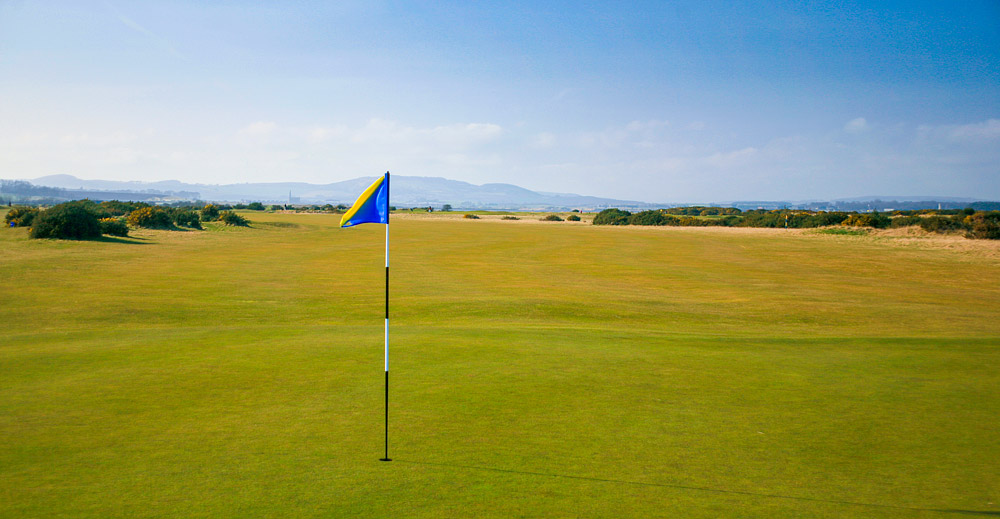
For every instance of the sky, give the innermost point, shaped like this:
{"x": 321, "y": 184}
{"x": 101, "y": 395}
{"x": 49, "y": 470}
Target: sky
{"x": 659, "y": 101}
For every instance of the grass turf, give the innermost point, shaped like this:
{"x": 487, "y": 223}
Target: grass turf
{"x": 539, "y": 370}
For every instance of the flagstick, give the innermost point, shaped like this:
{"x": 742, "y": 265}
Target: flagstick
{"x": 386, "y": 458}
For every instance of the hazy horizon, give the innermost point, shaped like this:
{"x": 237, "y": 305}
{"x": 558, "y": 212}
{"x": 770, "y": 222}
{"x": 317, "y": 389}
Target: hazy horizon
{"x": 651, "y": 102}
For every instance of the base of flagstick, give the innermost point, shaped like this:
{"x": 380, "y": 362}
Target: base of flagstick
{"x": 385, "y": 459}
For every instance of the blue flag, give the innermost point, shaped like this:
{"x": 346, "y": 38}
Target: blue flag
{"x": 371, "y": 207}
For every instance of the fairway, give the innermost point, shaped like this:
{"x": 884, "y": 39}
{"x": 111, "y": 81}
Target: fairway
{"x": 538, "y": 370}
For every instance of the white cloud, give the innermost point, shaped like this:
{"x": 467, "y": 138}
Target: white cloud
{"x": 857, "y": 125}
{"x": 319, "y": 134}
{"x": 977, "y": 132}
{"x": 732, "y": 159}
{"x": 380, "y": 132}
{"x": 258, "y": 129}
{"x": 544, "y": 140}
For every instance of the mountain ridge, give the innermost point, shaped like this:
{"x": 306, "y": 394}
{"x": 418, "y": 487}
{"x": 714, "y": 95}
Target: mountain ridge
{"x": 406, "y": 191}
{"x": 420, "y": 191}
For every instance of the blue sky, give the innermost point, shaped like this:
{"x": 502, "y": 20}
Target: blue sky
{"x": 654, "y": 101}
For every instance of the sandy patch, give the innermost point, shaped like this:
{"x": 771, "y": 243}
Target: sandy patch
{"x": 918, "y": 238}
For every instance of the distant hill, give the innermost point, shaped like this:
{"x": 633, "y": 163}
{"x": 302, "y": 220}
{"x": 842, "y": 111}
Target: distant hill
{"x": 422, "y": 192}
{"x": 406, "y": 191}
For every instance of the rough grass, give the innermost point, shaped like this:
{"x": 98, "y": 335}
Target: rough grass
{"x": 537, "y": 371}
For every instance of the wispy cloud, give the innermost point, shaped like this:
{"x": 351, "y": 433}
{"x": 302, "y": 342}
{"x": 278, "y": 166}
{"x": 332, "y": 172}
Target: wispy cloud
{"x": 132, "y": 24}
{"x": 857, "y": 125}
{"x": 652, "y": 158}
{"x": 977, "y": 132}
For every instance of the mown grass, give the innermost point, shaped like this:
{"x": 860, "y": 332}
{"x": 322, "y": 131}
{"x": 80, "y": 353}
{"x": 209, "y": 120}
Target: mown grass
{"x": 843, "y": 231}
{"x": 537, "y": 370}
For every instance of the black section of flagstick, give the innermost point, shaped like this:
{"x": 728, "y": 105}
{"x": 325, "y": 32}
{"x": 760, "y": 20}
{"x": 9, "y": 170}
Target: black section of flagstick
{"x": 386, "y": 458}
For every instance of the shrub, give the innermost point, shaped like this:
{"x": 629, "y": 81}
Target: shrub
{"x": 873, "y": 219}
{"x": 113, "y": 227}
{"x": 150, "y": 218}
{"x": 984, "y": 226}
{"x": 612, "y": 217}
{"x": 572, "y": 218}
{"x": 21, "y": 216}
{"x": 700, "y": 210}
{"x": 68, "y": 221}
{"x": 255, "y": 206}
{"x": 185, "y": 218}
{"x": 905, "y": 221}
{"x": 210, "y": 213}
{"x": 231, "y": 218}
{"x": 552, "y": 218}
{"x": 116, "y": 208}
{"x": 508, "y": 217}
{"x": 940, "y": 224}
{"x": 471, "y": 216}
{"x": 730, "y": 220}
{"x": 648, "y": 218}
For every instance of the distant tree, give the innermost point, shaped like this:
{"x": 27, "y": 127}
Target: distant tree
{"x": 255, "y": 206}
{"x": 21, "y": 216}
{"x": 984, "y": 225}
{"x": 985, "y": 206}
{"x": 68, "y": 221}
{"x": 904, "y": 221}
{"x": 231, "y": 218}
{"x": 872, "y": 219}
{"x": 151, "y": 218}
{"x": 940, "y": 224}
{"x": 116, "y": 208}
{"x": 613, "y": 216}
{"x": 187, "y": 218}
{"x": 446, "y": 207}
{"x": 210, "y": 213}
{"x": 113, "y": 227}
{"x": 648, "y": 218}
